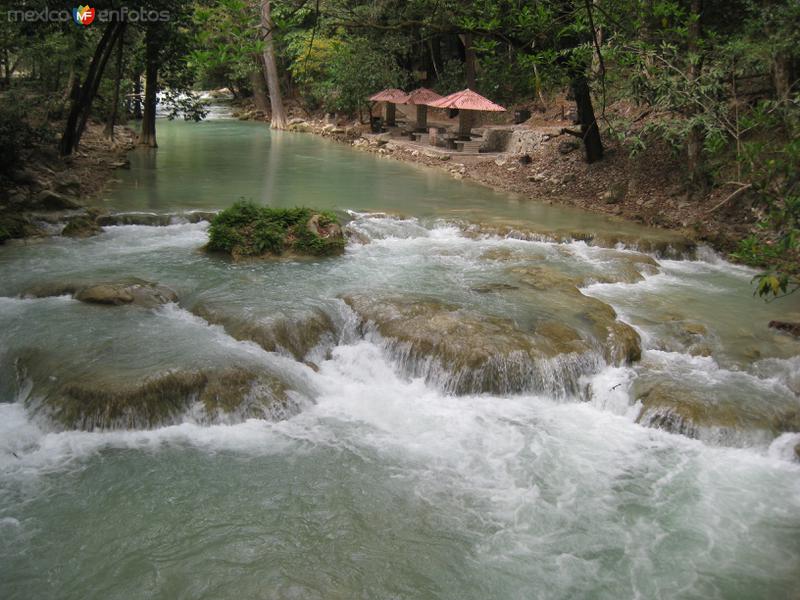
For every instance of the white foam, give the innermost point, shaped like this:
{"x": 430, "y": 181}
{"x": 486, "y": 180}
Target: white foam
{"x": 784, "y": 447}
{"x": 610, "y": 390}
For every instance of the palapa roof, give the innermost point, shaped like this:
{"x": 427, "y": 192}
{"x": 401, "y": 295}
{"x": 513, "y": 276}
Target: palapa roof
{"x": 392, "y": 95}
{"x": 422, "y": 96}
{"x": 467, "y": 100}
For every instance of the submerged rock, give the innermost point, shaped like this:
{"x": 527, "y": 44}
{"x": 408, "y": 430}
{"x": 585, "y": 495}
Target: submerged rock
{"x": 487, "y": 288}
{"x": 155, "y": 219}
{"x": 465, "y": 352}
{"x": 81, "y": 227}
{"x": 660, "y": 243}
{"x": 129, "y": 291}
{"x": 677, "y": 408}
{"x": 15, "y": 226}
{"x": 50, "y": 289}
{"x": 618, "y": 341}
{"x": 246, "y": 230}
{"x": 140, "y": 293}
{"x": 297, "y": 336}
{"x": 162, "y": 400}
{"x": 790, "y": 328}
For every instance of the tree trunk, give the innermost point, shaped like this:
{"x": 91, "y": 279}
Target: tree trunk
{"x": 694, "y": 143}
{"x": 469, "y": 59}
{"x": 597, "y": 62}
{"x": 72, "y": 82}
{"x": 391, "y": 114}
{"x": 422, "y": 117}
{"x": 257, "y": 83}
{"x": 465, "y": 124}
{"x": 112, "y": 117}
{"x": 590, "y": 132}
{"x": 147, "y": 136}
{"x": 137, "y": 96}
{"x": 435, "y": 47}
{"x": 782, "y": 75}
{"x": 466, "y": 118}
{"x": 6, "y": 68}
{"x": 82, "y": 99}
{"x": 278, "y": 120}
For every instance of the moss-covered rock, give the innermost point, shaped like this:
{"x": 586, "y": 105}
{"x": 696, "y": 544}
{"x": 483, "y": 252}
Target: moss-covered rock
{"x": 246, "y": 230}
{"x": 14, "y": 226}
{"x": 295, "y": 335}
{"x": 50, "y": 200}
{"x": 660, "y": 242}
{"x": 677, "y": 408}
{"x": 618, "y": 341}
{"x": 163, "y": 399}
{"x": 126, "y": 291}
{"x": 81, "y": 227}
{"x": 463, "y": 352}
{"x": 134, "y": 291}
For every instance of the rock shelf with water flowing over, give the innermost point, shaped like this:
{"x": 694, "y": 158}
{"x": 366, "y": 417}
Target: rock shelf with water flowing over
{"x": 508, "y": 393}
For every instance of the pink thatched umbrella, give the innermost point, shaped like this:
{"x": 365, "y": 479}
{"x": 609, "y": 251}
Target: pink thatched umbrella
{"x": 466, "y": 101}
{"x": 390, "y": 96}
{"x": 422, "y": 98}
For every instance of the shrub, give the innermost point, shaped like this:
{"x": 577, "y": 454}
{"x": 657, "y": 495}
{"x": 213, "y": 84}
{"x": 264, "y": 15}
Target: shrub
{"x": 246, "y": 229}
{"x": 16, "y": 134}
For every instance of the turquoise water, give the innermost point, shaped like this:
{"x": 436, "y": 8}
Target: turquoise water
{"x": 214, "y": 163}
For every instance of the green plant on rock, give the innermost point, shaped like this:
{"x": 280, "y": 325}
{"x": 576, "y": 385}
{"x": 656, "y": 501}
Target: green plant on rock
{"x": 246, "y": 229}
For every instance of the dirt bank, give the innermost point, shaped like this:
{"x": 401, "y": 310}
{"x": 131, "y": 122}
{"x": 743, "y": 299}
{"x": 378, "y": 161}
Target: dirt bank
{"x": 649, "y": 188}
{"x": 46, "y": 191}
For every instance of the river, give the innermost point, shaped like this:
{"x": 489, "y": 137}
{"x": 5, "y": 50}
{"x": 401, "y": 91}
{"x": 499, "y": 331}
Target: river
{"x": 378, "y": 477}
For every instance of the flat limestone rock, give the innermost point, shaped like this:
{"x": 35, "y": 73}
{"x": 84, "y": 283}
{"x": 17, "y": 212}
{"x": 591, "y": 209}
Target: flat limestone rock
{"x": 142, "y": 293}
{"x": 619, "y": 342}
{"x": 676, "y": 408}
{"x": 129, "y": 291}
{"x": 223, "y": 395}
{"x": 466, "y": 352}
{"x": 297, "y": 336}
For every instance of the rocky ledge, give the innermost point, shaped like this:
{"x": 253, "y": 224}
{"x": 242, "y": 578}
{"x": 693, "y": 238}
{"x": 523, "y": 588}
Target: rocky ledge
{"x": 210, "y": 396}
{"x": 296, "y": 336}
{"x": 46, "y": 190}
{"x": 462, "y": 351}
{"x": 713, "y": 417}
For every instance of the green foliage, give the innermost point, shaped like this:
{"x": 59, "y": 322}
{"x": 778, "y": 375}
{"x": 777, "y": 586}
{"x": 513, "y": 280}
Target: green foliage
{"x": 246, "y": 229}
{"x": 17, "y": 133}
{"x": 227, "y": 43}
{"x": 339, "y": 74}
{"x": 776, "y": 244}
{"x": 309, "y": 65}
{"x": 451, "y": 77}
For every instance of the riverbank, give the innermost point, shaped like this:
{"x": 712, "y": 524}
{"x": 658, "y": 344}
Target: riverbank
{"x": 549, "y": 167}
{"x": 45, "y": 191}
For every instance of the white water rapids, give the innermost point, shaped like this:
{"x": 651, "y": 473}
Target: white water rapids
{"x": 380, "y": 484}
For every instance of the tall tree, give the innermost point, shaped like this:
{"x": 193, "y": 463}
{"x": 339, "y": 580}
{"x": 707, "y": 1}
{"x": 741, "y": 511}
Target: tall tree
{"x": 84, "y": 94}
{"x": 278, "y": 119}
{"x": 112, "y": 115}
{"x": 694, "y": 142}
{"x": 147, "y": 135}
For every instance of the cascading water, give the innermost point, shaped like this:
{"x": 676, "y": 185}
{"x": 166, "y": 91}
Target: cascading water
{"x": 435, "y": 414}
